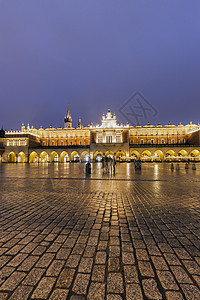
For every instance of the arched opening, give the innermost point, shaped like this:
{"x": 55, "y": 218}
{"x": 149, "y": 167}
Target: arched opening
{"x": 75, "y": 156}
{"x": 195, "y": 153}
{"x": 170, "y": 153}
{"x": 33, "y": 158}
{"x": 85, "y": 156}
{"x": 64, "y": 157}
{"x": 120, "y": 155}
{"x": 109, "y": 154}
{"x": 54, "y": 157}
{"x": 11, "y": 157}
{"x": 182, "y": 153}
{"x": 134, "y": 155}
{"x": 158, "y": 155}
{"x": 146, "y": 155}
{"x": 21, "y": 157}
{"x": 44, "y": 157}
{"x": 98, "y": 156}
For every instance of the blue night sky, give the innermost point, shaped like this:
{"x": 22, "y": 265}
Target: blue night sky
{"x": 94, "y": 55}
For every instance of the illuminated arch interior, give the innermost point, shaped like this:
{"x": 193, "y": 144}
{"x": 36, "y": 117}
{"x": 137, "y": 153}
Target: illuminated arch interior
{"x": 159, "y": 154}
{"x": 75, "y": 156}
{"x": 21, "y": 157}
{"x": 33, "y": 157}
{"x": 11, "y": 157}
{"x": 135, "y": 154}
{"x": 44, "y": 156}
{"x": 64, "y": 157}
{"x": 54, "y": 157}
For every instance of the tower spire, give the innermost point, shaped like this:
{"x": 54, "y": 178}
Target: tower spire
{"x": 68, "y": 119}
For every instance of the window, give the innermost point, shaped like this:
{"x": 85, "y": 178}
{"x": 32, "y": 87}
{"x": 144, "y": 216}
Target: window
{"x": 131, "y": 141}
{"x": 152, "y": 141}
{"x": 142, "y": 141}
{"x": 52, "y": 143}
{"x": 162, "y": 141}
{"x": 183, "y": 141}
{"x": 118, "y": 139}
{"x": 100, "y": 140}
{"x": 80, "y": 143}
{"x": 173, "y": 141}
{"x": 109, "y": 139}
{"x": 71, "y": 143}
{"x": 61, "y": 143}
{"x": 43, "y": 143}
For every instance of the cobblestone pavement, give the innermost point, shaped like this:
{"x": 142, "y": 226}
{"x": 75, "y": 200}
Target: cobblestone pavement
{"x": 128, "y": 236}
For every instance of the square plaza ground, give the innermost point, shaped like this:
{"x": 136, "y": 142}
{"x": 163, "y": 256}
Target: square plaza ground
{"x": 135, "y": 235}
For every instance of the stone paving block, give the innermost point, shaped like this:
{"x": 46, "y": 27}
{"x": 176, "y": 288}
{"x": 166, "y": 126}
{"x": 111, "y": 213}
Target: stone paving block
{"x": 81, "y": 283}
{"x": 13, "y": 281}
{"x": 59, "y": 294}
{"x": 16, "y": 261}
{"x": 172, "y": 259}
{"x": 22, "y": 292}
{"x": 45, "y": 260}
{"x": 55, "y": 267}
{"x": 167, "y": 280}
{"x": 44, "y": 288}
{"x": 113, "y": 264}
{"x": 5, "y": 273}
{"x": 180, "y": 275}
{"x": 146, "y": 268}
{"x": 131, "y": 274}
{"x": 159, "y": 263}
{"x": 192, "y": 266}
{"x": 73, "y": 261}
{"x": 3, "y": 296}
{"x": 89, "y": 251}
{"x": 96, "y": 291}
{"x": 100, "y": 257}
{"x": 190, "y": 291}
{"x": 113, "y": 297}
{"x": 63, "y": 253}
{"x": 174, "y": 295}
{"x": 133, "y": 292}
{"x": 151, "y": 289}
{"x": 115, "y": 283}
{"x": 114, "y": 251}
{"x": 128, "y": 258}
{"x": 98, "y": 273}
{"x": 33, "y": 276}
{"x": 65, "y": 278}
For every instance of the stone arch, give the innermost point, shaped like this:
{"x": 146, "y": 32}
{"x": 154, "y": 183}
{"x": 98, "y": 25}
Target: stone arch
{"x": 170, "y": 152}
{"x": 98, "y": 155}
{"x": 109, "y": 154}
{"x": 64, "y": 157}
{"x": 194, "y": 153}
{"x": 85, "y": 156}
{"x": 21, "y": 157}
{"x": 75, "y": 156}
{"x": 183, "y": 153}
{"x": 135, "y": 154}
{"x": 159, "y": 154}
{"x": 33, "y": 157}
{"x": 11, "y": 157}
{"x": 44, "y": 157}
{"x": 146, "y": 155}
{"x": 120, "y": 154}
{"x": 54, "y": 157}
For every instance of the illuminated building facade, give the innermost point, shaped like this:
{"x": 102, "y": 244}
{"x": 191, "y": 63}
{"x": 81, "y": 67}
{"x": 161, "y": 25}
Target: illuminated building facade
{"x": 125, "y": 142}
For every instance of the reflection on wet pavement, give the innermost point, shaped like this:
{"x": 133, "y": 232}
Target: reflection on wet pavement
{"x": 132, "y": 235}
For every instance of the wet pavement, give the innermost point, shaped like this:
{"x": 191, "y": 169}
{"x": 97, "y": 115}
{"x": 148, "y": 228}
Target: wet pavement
{"x": 132, "y": 235}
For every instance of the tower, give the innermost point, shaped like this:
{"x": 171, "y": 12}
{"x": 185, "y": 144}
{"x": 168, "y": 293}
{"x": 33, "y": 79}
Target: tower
{"x": 68, "y": 119}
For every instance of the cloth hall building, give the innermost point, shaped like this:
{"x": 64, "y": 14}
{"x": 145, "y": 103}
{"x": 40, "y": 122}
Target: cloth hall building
{"x": 124, "y": 142}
